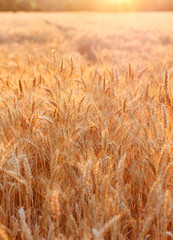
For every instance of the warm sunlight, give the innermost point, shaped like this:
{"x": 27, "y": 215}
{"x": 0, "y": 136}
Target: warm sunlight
{"x": 120, "y": 1}
{"x": 121, "y": 4}
{"x": 86, "y": 113}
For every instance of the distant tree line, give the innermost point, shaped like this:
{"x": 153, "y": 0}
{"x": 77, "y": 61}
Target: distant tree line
{"x": 18, "y": 5}
{"x": 73, "y": 5}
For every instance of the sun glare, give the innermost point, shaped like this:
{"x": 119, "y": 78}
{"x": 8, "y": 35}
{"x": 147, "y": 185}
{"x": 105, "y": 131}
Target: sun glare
{"x": 119, "y": 1}
{"x": 120, "y": 4}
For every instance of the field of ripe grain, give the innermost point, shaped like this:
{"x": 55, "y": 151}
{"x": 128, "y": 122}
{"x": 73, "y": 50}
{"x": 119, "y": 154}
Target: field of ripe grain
{"x": 86, "y": 134}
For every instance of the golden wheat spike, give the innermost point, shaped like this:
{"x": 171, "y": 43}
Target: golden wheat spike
{"x": 130, "y": 71}
{"x": 54, "y": 55}
{"x": 34, "y": 82}
{"x": 54, "y": 204}
{"x": 166, "y": 80}
{"x": 165, "y": 121}
{"x": 71, "y": 66}
{"x": 124, "y": 105}
{"x": 20, "y": 86}
{"x": 61, "y": 65}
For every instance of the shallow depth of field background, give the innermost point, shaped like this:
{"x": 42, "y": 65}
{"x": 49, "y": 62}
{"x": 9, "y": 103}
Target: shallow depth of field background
{"x": 76, "y": 5}
{"x": 141, "y": 39}
{"x": 86, "y": 112}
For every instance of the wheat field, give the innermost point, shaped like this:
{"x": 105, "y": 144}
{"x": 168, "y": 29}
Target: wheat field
{"x": 86, "y": 136}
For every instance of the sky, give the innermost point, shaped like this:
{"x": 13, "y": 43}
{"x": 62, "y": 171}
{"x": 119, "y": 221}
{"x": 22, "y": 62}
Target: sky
{"x": 110, "y": 4}
{"x": 103, "y": 5}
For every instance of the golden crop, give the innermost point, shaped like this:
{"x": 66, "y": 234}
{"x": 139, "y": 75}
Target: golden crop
{"x": 86, "y": 136}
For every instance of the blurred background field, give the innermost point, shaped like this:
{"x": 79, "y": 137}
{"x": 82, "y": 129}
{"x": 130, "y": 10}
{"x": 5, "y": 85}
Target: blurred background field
{"x": 139, "y": 38}
{"x": 117, "y": 39}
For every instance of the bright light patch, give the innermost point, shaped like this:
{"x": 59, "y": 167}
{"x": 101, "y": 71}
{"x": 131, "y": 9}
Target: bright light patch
{"x": 119, "y": 1}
